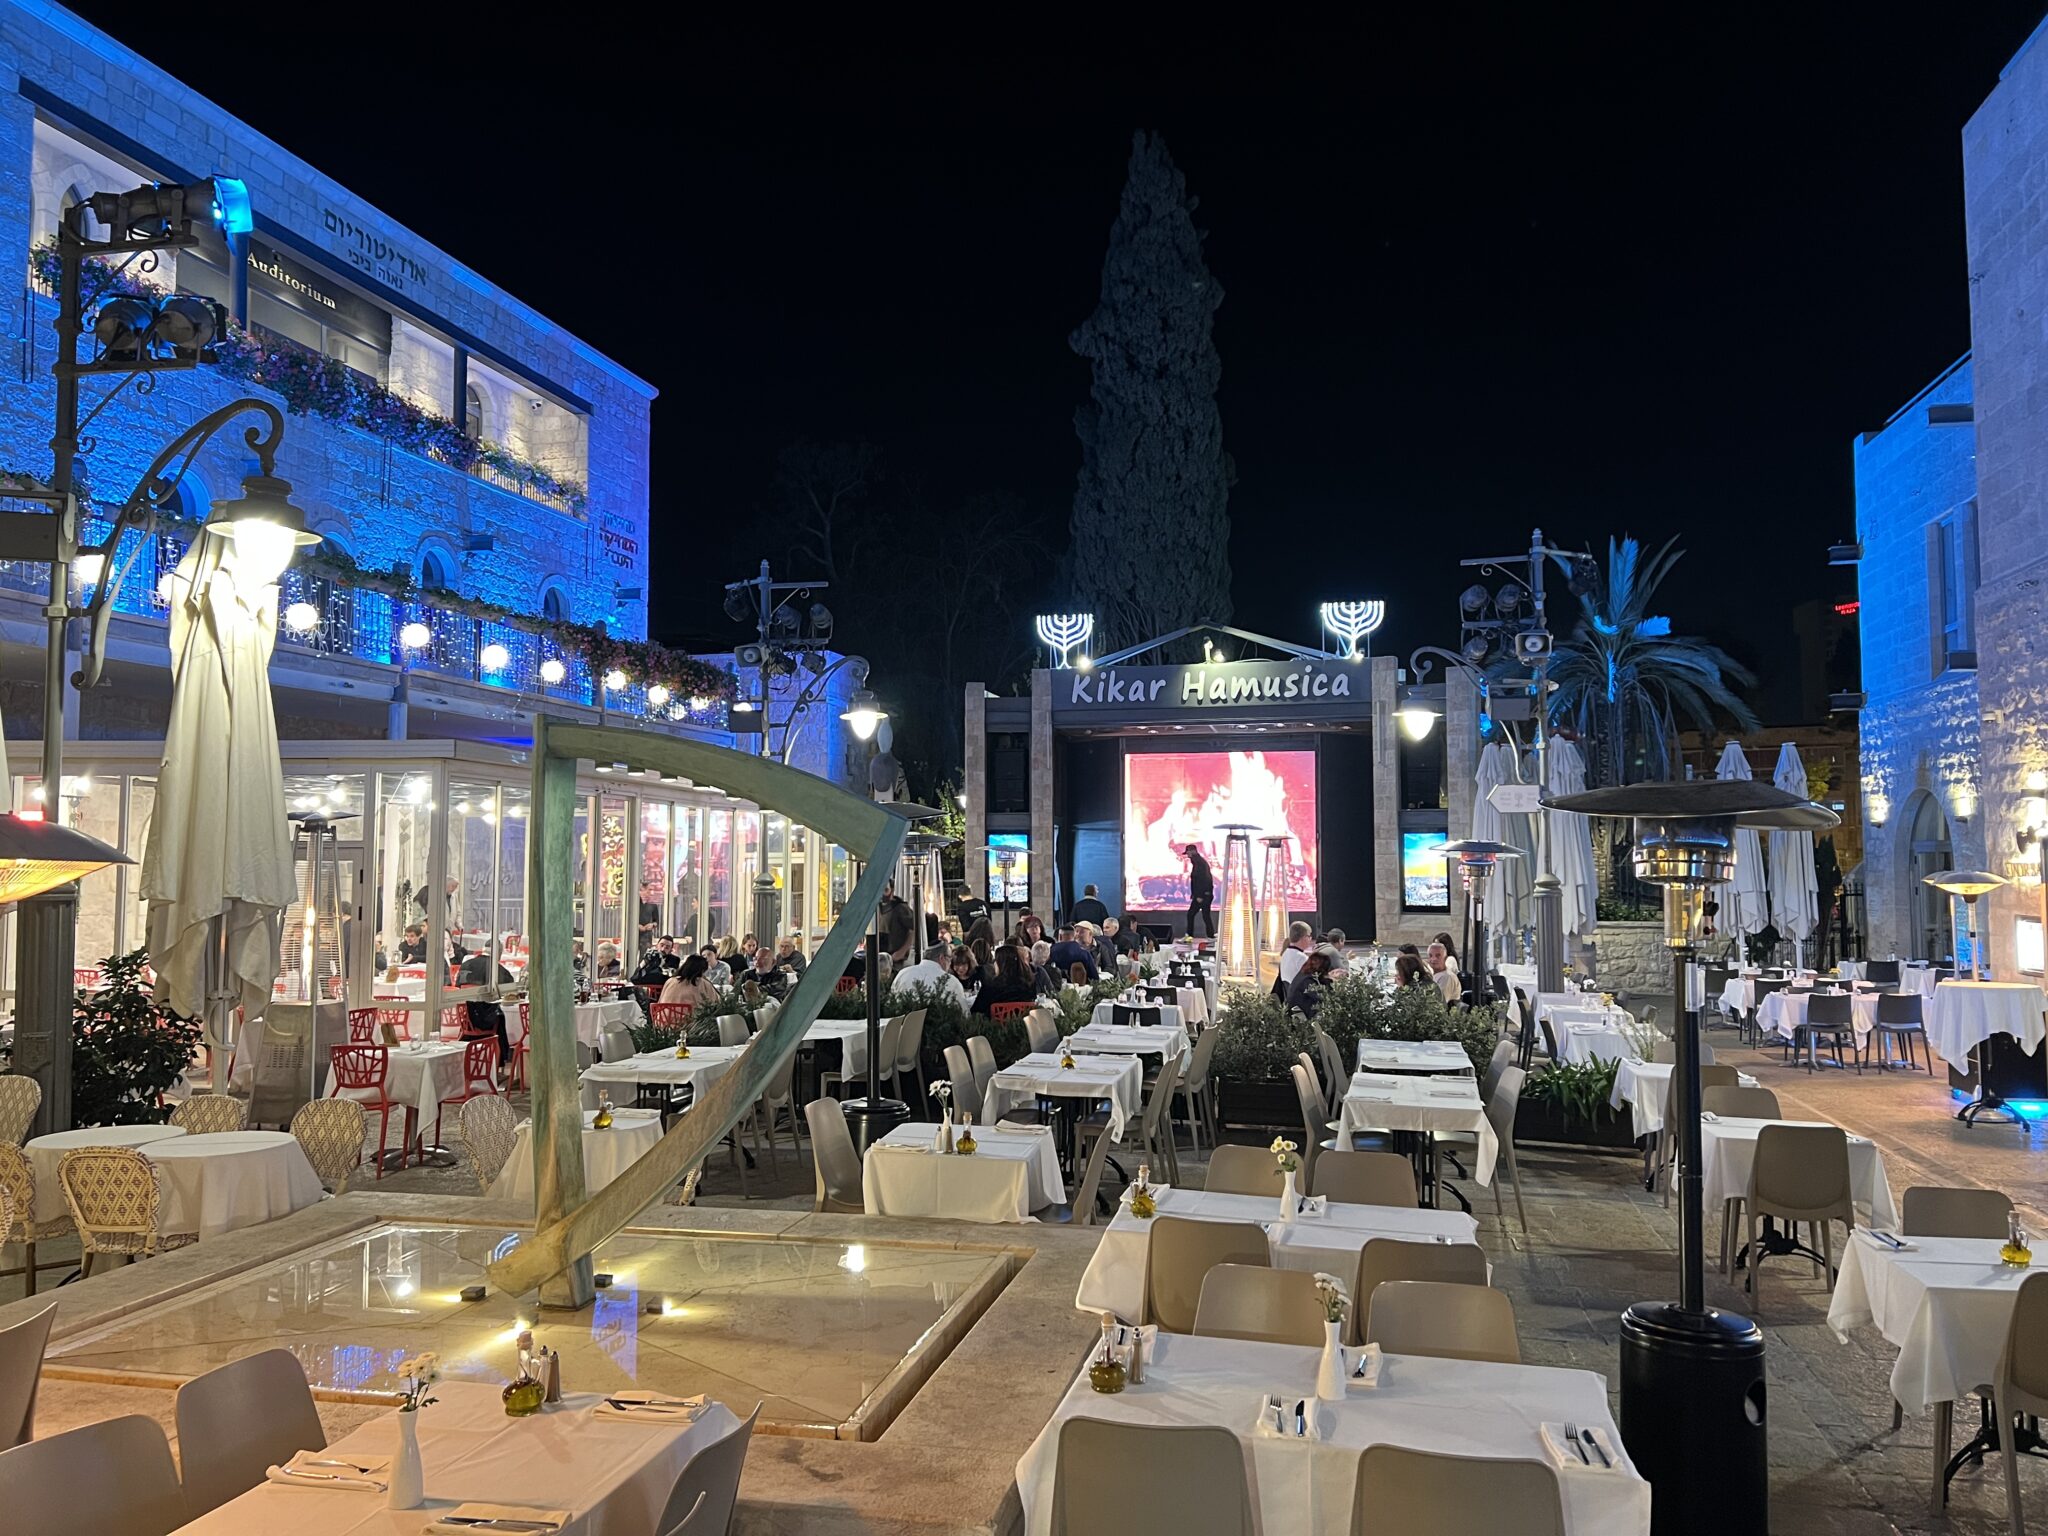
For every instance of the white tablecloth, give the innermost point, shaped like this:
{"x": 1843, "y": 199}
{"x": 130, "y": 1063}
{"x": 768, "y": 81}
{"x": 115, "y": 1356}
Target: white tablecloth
{"x": 704, "y": 1065}
{"x": 1093, "y": 1078}
{"x": 852, "y": 1036}
{"x": 1946, "y": 1305}
{"x": 1115, "y": 1278}
{"x": 421, "y": 1076}
{"x": 46, "y": 1152}
{"x": 1011, "y": 1174}
{"x": 1963, "y": 1013}
{"x": 1132, "y": 1040}
{"x": 214, "y": 1184}
{"x": 1583, "y": 1035}
{"x": 1642, "y": 1085}
{"x": 1849, "y": 970}
{"x": 1380, "y": 1102}
{"x": 1728, "y": 1148}
{"x": 1429, "y": 1057}
{"x": 614, "y": 1476}
{"x": 1918, "y": 978}
{"x": 606, "y": 1154}
{"x": 1783, "y": 1012}
{"x": 591, "y": 1019}
{"x": 1305, "y": 1487}
{"x": 1155, "y": 1015}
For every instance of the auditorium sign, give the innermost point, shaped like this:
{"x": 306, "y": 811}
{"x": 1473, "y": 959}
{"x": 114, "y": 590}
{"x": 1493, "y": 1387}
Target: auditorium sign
{"x": 1252, "y": 689}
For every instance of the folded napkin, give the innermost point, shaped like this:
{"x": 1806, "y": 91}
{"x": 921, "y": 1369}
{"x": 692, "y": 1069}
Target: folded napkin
{"x": 1560, "y": 1448}
{"x": 649, "y": 1407}
{"x": 463, "y": 1519}
{"x": 1314, "y": 1205}
{"x": 1277, "y": 1418}
{"x": 1365, "y": 1367}
{"x": 1886, "y": 1242}
{"x": 324, "y": 1469}
{"x": 1710, "y": 1117}
{"x": 1016, "y": 1130}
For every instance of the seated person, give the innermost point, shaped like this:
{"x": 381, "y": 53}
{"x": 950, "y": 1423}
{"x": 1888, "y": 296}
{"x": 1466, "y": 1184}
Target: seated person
{"x": 1012, "y": 982}
{"x": 412, "y": 949}
{"x": 765, "y": 974}
{"x": 1305, "y": 992}
{"x": 1071, "y": 950}
{"x": 659, "y": 963}
{"x": 789, "y": 954}
{"x": 691, "y": 985}
{"x": 609, "y": 966}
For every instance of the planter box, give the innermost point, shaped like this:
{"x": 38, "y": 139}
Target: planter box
{"x": 1267, "y": 1101}
{"x": 1537, "y": 1120}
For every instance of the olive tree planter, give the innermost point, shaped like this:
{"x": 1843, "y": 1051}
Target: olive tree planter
{"x": 1261, "y": 1102}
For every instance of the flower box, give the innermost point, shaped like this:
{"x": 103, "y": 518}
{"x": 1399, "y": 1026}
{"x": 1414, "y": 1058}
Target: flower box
{"x": 1258, "y": 1102}
{"x": 1538, "y": 1120}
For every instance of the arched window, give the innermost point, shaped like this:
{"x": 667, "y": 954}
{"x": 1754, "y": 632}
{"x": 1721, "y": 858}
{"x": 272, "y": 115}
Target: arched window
{"x": 1930, "y": 851}
{"x": 435, "y": 572}
{"x": 553, "y": 606}
{"x": 473, "y": 413}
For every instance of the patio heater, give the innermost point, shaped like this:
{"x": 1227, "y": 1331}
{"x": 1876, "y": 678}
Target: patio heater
{"x": 1477, "y": 859}
{"x": 917, "y": 868}
{"x": 1240, "y": 954}
{"x": 1273, "y": 911}
{"x": 1692, "y": 1377}
{"x": 309, "y": 1016}
{"x": 1968, "y": 884}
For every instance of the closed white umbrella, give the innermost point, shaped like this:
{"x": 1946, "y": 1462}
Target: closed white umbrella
{"x": 1745, "y": 904}
{"x": 217, "y": 866}
{"x": 1795, "y": 890}
{"x": 1513, "y": 879}
{"x": 1571, "y": 841}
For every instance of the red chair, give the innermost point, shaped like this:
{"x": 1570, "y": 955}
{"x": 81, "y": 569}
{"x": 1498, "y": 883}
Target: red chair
{"x": 455, "y": 1024}
{"x": 848, "y": 984}
{"x": 671, "y": 1015}
{"x": 397, "y": 1020}
{"x": 358, "y": 1072}
{"x": 479, "y": 1076}
{"x": 86, "y": 977}
{"x": 1002, "y": 1013}
{"x": 362, "y": 1026}
{"x": 516, "y": 1077}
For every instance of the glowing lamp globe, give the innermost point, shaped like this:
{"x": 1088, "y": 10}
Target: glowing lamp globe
{"x": 614, "y": 680}
{"x": 415, "y": 636}
{"x": 658, "y": 695}
{"x": 552, "y": 671}
{"x": 864, "y": 714}
{"x": 494, "y": 657}
{"x": 264, "y": 527}
{"x": 301, "y": 618}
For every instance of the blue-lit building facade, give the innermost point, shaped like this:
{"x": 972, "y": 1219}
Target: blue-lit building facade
{"x": 1952, "y": 519}
{"x": 479, "y": 479}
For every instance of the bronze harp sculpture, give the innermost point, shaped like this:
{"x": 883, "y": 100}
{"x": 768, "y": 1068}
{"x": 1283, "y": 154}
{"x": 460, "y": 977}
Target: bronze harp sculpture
{"x": 568, "y": 1224}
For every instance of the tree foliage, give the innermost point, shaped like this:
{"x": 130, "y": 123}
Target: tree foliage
{"x": 1624, "y": 680}
{"x": 125, "y": 1049}
{"x": 1150, "y": 540}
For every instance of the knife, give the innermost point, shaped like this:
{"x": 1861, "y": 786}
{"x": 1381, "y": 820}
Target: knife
{"x": 336, "y": 1477}
{"x": 1887, "y": 1239}
{"x": 1594, "y": 1446}
{"x": 496, "y": 1523}
{"x": 353, "y": 1466}
{"x": 1301, "y": 1418}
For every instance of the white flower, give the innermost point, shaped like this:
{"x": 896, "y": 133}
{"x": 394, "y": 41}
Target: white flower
{"x": 942, "y": 1090}
{"x": 1330, "y": 1283}
{"x": 1282, "y": 1144}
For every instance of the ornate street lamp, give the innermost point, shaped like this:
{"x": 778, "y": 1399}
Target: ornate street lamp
{"x": 1692, "y": 1376}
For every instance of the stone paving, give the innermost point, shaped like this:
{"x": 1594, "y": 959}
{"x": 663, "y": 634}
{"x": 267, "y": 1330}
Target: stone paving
{"x": 1598, "y": 1241}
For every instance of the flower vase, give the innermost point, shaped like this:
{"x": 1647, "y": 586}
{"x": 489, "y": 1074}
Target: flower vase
{"x": 408, "y": 1478}
{"x": 1330, "y": 1374}
{"x": 1289, "y": 1202}
{"x": 943, "y": 1142}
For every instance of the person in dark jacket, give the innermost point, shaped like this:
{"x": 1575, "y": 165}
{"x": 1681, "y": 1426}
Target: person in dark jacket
{"x": 1305, "y": 993}
{"x": 1089, "y": 909}
{"x": 1068, "y": 952}
{"x": 1201, "y": 893}
{"x": 1012, "y": 982}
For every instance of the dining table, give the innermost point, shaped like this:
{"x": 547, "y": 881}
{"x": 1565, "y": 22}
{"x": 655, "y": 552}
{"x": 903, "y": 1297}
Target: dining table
{"x": 1306, "y": 1485}
{"x": 1642, "y": 1086}
{"x": 1154, "y": 1015}
{"x": 1586, "y": 1035}
{"x": 1424, "y": 1106}
{"x": 1961, "y": 1015}
{"x": 1427, "y": 1058}
{"x": 1728, "y": 1150}
{"x": 46, "y": 1154}
{"x": 612, "y": 1476}
{"x": 1327, "y": 1241}
{"x": 1013, "y": 1171}
{"x": 704, "y": 1065}
{"x": 607, "y": 1153}
{"x": 1783, "y": 1013}
{"x": 226, "y": 1180}
{"x": 1162, "y": 1041}
{"x": 1116, "y": 1081}
{"x": 593, "y": 1017}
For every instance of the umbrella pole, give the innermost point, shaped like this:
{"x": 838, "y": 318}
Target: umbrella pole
{"x": 218, "y": 1002}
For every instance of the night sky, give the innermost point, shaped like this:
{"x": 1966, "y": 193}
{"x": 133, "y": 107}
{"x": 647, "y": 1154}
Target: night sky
{"x": 1640, "y": 272}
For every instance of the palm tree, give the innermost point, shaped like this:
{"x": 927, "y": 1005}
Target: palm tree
{"x": 1624, "y": 679}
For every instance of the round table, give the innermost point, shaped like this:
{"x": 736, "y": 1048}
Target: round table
{"x": 606, "y": 1154}
{"x": 216, "y": 1183}
{"x": 45, "y": 1153}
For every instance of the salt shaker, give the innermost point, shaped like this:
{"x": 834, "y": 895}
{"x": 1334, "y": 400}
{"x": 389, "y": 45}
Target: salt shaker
{"x": 1136, "y": 1371}
{"x": 553, "y": 1376}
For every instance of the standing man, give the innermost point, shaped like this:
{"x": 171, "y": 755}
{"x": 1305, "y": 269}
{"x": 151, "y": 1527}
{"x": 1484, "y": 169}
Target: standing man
{"x": 898, "y": 926}
{"x": 970, "y": 909}
{"x": 1201, "y": 893}
{"x": 1089, "y": 909}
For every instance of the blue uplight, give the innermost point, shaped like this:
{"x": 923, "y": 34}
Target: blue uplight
{"x": 232, "y": 210}
{"x": 2029, "y": 1107}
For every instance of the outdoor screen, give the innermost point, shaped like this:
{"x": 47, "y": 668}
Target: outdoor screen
{"x": 1425, "y": 876}
{"x": 1172, "y": 799}
{"x": 1019, "y": 844}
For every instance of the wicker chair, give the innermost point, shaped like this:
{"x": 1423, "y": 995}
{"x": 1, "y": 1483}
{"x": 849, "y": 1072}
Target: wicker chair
{"x": 209, "y": 1114}
{"x": 20, "y": 1098}
{"x": 488, "y": 1129}
{"x": 330, "y": 1133}
{"x": 114, "y": 1193}
{"x": 28, "y": 1227}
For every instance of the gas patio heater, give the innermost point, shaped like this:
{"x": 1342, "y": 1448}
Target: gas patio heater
{"x": 1477, "y": 859}
{"x": 1273, "y": 910}
{"x": 918, "y": 871}
{"x": 1968, "y": 884}
{"x": 1240, "y": 946}
{"x": 1692, "y": 1377}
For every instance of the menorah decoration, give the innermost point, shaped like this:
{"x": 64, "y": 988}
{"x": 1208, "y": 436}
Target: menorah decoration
{"x": 1352, "y": 621}
{"x": 1061, "y": 633}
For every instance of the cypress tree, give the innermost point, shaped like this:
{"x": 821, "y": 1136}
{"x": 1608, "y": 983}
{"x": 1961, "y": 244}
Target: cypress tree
{"x": 1150, "y": 541}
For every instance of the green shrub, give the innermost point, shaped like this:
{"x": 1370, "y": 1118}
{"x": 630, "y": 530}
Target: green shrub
{"x": 1616, "y": 909}
{"x": 1356, "y": 1008}
{"x": 1581, "y": 1091}
{"x": 125, "y": 1050}
{"x": 1260, "y": 1039}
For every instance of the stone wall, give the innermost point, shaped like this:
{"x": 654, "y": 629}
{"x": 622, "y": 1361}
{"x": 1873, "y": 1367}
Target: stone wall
{"x": 1631, "y": 957}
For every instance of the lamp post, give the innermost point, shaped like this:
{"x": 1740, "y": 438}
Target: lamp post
{"x": 1971, "y": 884}
{"x": 1477, "y": 859}
{"x": 1692, "y": 1377}
{"x": 133, "y": 339}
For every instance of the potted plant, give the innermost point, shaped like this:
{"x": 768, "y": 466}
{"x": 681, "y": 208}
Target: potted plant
{"x": 1356, "y": 1008}
{"x": 1259, "y": 1041}
{"x": 125, "y": 1049}
{"x": 1569, "y": 1102}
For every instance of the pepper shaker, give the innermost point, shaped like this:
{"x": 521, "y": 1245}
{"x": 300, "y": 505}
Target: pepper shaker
{"x": 554, "y": 1376}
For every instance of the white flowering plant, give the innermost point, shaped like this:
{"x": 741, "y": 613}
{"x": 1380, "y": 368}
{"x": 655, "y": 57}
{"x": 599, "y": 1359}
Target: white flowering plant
{"x": 942, "y": 1091}
{"x": 1330, "y": 1292}
{"x": 1283, "y": 1152}
{"x": 418, "y": 1373}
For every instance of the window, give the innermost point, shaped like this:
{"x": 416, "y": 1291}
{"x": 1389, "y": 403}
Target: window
{"x": 473, "y": 413}
{"x": 435, "y": 574}
{"x": 1952, "y": 590}
{"x": 553, "y": 606}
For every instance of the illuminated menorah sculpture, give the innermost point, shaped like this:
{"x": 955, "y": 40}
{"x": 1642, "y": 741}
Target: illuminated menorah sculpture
{"x": 1240, "y": 942}
{"x": 1060, "y": 633}
{"x": 1352, "y": 622}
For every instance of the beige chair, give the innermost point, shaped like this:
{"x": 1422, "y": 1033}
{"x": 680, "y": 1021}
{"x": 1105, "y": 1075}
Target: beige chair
{"x": 960, "y": 1073}
{"x": 689, "y": 1524}
{"x": 833, "y": 1159}
{"x": 1366, "y": 1178}
{"x": 1274, "y": 1306}
{"x": 20, "y": 1098}
{"x": 1244, "y": 1171}
{"x": 1080, "y": 1212}
{"x": 1731, "y": 1101}
{"x": 983, "y": 1056}
{"x": 777, "y": 1099}
{"x": 1711, "y": 1076}
{"x": 21, "y": 1369}
{"x": 489, "y": 1130}
{"x": 908, "y": 1066}
{"x": 1179, "y": 1255}
{"x": 1042, "y": 1030}
{"x": 1402, "y": 1492}
{"x": 1449, "y": 1322}
{"x": 712, "y": 1476}
{"x": 1929, "y": 1211}
{"x": 30, "y": 1226}
{"x": 1335, "y": 1078}
{"x": 208, "y": 1114}
{"x": 1800, "y": 1173}
{"x": 1503, "y": 1057}
{"x": 1314, "y": 1134}
{"x": 114, "y": 1193}
{"x": 238, "y": 1419}
{"x": 1154, "y": 1129}
{"x": 733, "y": 1029}
{"x": 1665, "y": 1052}
{"x": 1195, "y": 1090}
{"x": 68, "y": 1483}
{"x": 1500, "y": 1114}
{"x": 1193, "y": 1480}
{"x": 1384, "y": 1259}
{"x": 885, "y": 1054}
{"x": 330, "y": 1133}
{"x": 2021, "y": 1387}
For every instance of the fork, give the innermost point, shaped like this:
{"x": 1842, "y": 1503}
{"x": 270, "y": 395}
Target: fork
{"x": 1571, "y": 1433}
